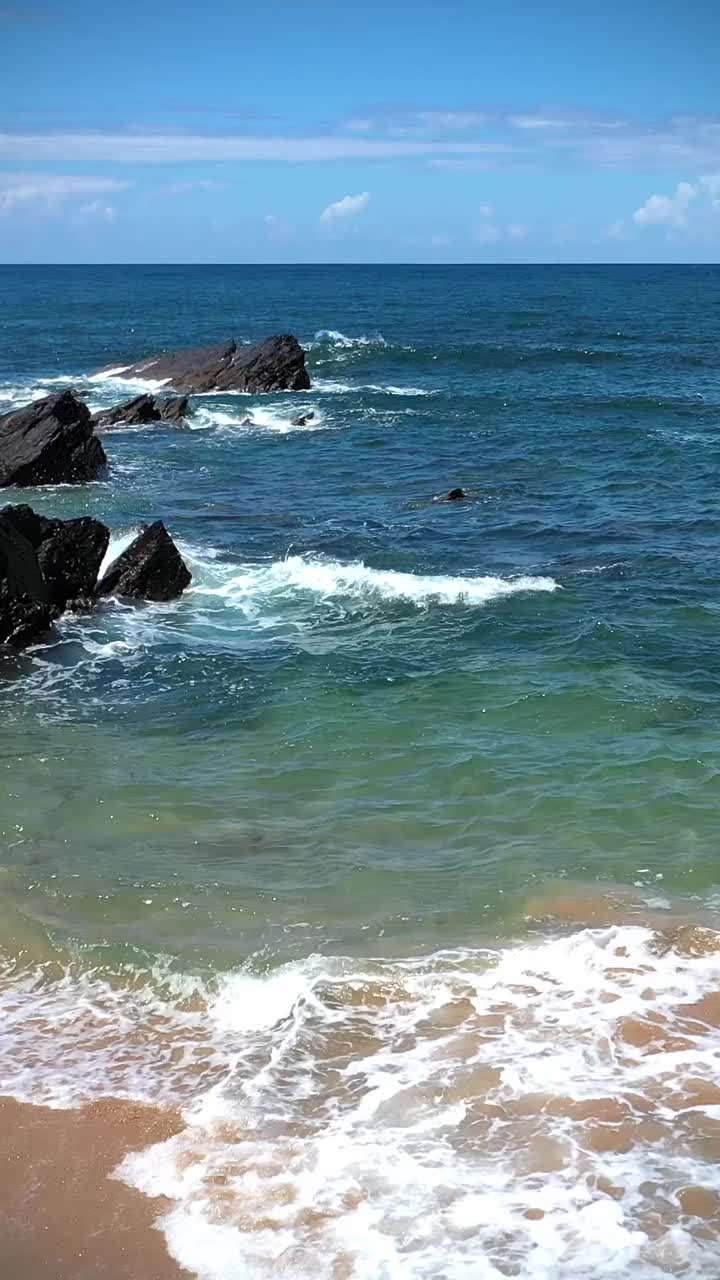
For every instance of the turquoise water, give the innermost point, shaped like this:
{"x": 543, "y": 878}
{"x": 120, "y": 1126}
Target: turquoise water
{"x": 380, "y": 736}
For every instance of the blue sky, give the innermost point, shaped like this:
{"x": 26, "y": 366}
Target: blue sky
{"x": 315, "y": 131}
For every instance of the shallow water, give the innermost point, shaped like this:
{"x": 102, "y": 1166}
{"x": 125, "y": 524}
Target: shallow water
{"x": 379, "y": 854}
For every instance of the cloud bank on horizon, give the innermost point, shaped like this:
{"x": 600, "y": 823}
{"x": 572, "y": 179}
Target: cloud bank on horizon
{"x": 281, "y": 164}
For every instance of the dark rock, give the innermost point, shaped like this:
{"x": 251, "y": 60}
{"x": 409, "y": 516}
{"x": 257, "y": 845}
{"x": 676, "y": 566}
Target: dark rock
{"x": 134, "y": 413}
{"x": 69, "y": 552}
{"x": 247, "y": 422}
{"x": 175, "y": 409}
{"x": 142, "y": 410}
{"x": 304, "y": 418}
{"x": 277, "y": 364}
{"x": 70, "y": 555}
{"x": 151, "y": 568}
{"x": 455, "y": 495}
{"x": 25, "y": 608}
{"x": 50, "y": 441}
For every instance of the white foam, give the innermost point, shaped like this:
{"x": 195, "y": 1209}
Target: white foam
{"x": 264, "y": 419}
{"x": 308, "y": 575}
{"x": 116, "y": 377}
{"x": 330, "y": 386}
{"x": 333, "y": 338}
{"x": 412, "y": 1118}
{"x": 118, "y": 543}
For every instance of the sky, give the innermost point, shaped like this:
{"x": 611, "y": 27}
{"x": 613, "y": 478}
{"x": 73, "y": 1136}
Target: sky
{"x": 393, "y": 131}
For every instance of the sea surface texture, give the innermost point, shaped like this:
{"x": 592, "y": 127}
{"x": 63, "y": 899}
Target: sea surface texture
{"x": 386, "y": 859}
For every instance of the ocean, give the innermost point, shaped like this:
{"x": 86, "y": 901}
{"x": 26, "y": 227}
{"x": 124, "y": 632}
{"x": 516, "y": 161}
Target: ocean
{"x": 359, "y": 910}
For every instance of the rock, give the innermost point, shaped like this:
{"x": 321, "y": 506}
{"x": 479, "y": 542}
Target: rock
{"x": 68, "y": 552}
{"x": 70, "y": 555}
{"x": 151, "y": 568}
{"x": 25, "y": 608}
{"x": 175, "y": 409}
{"x": 51, "y": 441}
{"x": 142, "y": 410}
{"x": 455, "y": 495}
{"x": 303, "y": 420}
{"x": 276, "y": 364}
{"x": 134, "y": 413}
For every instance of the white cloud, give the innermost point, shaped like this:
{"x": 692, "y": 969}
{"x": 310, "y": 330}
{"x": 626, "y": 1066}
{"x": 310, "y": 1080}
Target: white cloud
{"x": 98, "y": 209}
{"x": 348, "y": 207}
{"x": 667, "y": 210}
{"x": 674, "y": 212}
{"x": 47, "y": 190}
{"x": 149, "y": 147}
{"x": 489, "y": 231}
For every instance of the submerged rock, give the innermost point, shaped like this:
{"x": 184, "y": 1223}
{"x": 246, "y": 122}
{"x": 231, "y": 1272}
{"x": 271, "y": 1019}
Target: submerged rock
{"x": 276, "y": 364}
{"x": 142, "y": 410}
{"x": 50, "y": 441}
{"x": 455, "y": 495}
{"x": 303, "y": 420}
{"x": 151, "y": 568}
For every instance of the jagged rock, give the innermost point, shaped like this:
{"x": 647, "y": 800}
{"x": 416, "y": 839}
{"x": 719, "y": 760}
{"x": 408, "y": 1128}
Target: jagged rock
{"x": 151, "y": 568}
{"x": 68, "y": 552}
{"x": 136, "y": 412}
{"x": 25, "y": 608}
{"x": 276, "y": 364}
{"x": 51, "y": 441}
{"x": 304, "y": 418}
{"x": 175, "y": 409}
{"x": 142, "y": 410}
{"x": 70, "y": 555}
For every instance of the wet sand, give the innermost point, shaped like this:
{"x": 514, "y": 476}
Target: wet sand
{"x": 62, "y": 1217}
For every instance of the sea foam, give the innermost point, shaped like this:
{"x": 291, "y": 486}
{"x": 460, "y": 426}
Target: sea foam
{"x": 543, "y": 1110}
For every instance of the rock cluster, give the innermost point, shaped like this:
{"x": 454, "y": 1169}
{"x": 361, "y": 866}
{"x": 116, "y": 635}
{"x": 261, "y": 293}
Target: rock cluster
{"x": 48, "y": 566}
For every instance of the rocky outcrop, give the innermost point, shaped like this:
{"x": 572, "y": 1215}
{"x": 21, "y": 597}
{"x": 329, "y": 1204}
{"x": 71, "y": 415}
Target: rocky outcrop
{"x": 47, "y": 566}
{"x": 277, "y": 364}
{"x": 67, "y": 554}
{"x": 51, "y": 441}
{"x": 151, "y": 568}
{"x": 303, "y": 419}
{"x": 142, "y": 410}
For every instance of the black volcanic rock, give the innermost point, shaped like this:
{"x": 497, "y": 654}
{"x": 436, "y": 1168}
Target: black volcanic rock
{"x": 142, "y": 410}
{"x": 276, "y": 364}
{"x": 51, "y": 441}
{"x": 25, "y": 608}
{"x": 151, "y": 568}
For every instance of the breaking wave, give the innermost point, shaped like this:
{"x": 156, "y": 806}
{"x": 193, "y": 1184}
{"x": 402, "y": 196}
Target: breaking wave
{"x": 547, "y": 1110}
